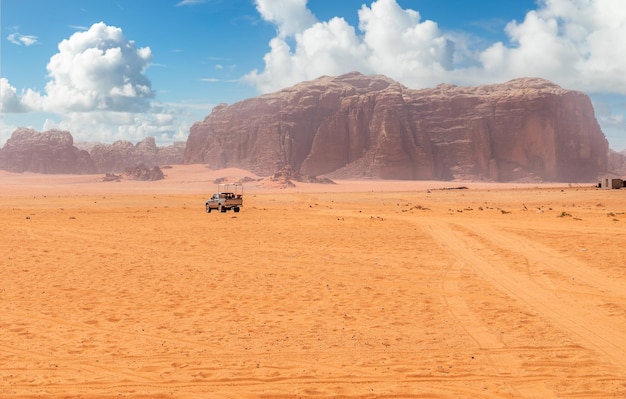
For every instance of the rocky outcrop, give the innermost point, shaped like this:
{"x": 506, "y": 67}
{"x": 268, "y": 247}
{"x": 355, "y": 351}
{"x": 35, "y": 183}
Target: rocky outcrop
{"x": 617, "y": 163}
{"x": 48, "y": 152}
{"x": 123, "y": 154}
{"x": 371, "y": 126}
{"x": 115, "y": 157}
{"x": 142, "y": 172}
{"x": 287, "y": 175}
{"x": 55, "y": 152}
{"x": 171, "y": 154}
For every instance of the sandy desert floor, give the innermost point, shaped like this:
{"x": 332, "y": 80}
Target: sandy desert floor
{"x": 356, "y": 290}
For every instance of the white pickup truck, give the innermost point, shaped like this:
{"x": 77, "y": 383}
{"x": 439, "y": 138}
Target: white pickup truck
{"x": 226, "y": 198}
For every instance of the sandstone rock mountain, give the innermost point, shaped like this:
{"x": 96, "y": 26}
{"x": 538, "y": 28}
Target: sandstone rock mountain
{"x": 373, "y": 127}
{"x": 49, "y": 152}
{"x": 123, "y": 154}
{"x": 617, "y": 162}
{"x": 54, "y": 151}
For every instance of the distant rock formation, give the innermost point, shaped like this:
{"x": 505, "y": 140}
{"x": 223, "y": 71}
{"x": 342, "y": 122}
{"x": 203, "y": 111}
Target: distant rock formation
{"x": 617, "y": 162}
{"x": 373, "y": 127}
{"x": 142, "y": 172}
{"x": 55, "y": 152}
{"x": 49, "y": 152}
{"x": 116, "y": 157}
{"x": 287, "y": 175}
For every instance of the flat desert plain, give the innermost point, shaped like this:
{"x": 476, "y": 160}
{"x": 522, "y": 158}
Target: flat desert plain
{"x": 356, "y": 290}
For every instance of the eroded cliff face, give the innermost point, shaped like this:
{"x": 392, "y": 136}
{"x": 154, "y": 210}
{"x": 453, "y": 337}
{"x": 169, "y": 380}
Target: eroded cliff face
{"x": 49, "y": 152}
{"x": 122, "y": 154}
{"x": 371, "y": 126}
{"x": 54, "y": 151}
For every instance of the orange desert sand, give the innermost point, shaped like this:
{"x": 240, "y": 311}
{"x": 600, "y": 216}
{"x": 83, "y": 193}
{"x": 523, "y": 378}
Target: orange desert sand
{"x": 363, "y": 289}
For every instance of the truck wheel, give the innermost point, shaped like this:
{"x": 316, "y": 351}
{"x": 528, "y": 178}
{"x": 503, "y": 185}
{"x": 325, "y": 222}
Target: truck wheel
{"x": 208, "y": 209}
{"x": 236, "y": 209}
{"x": 223, "y": 209}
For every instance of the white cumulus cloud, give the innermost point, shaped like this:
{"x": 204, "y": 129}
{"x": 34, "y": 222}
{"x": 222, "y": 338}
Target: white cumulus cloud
{"x": 389, "y": 40}
{"x": 577, "y": 44}
{"x": 402, "y": 46}
{"x": 326, "y": 48}
{"x": 98, "y": 69}
{"x": 98, "y": 90}
{"x": 13, "y": 102}
{"x": 289, "y": 16}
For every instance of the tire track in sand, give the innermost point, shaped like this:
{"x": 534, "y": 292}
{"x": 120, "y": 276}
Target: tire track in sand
{"x": 501, "y": 359}
{"x": 550, "y": 260}
{"x": 572, "y": 314}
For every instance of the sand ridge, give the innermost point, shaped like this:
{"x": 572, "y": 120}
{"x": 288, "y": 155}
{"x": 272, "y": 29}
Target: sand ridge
{"x": 360, "y": 290}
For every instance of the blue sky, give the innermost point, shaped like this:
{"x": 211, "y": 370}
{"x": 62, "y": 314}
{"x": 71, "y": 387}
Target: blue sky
{"x": 127, "y": 69}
